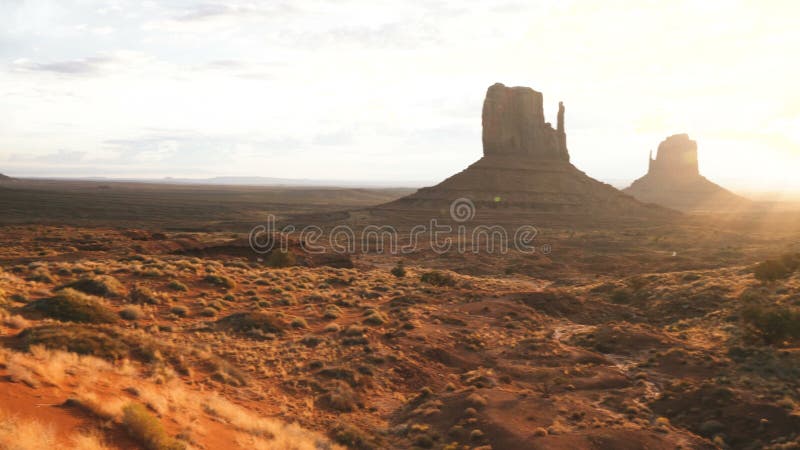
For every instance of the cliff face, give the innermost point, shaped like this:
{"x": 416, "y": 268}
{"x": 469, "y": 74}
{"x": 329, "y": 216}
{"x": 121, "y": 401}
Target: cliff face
{"x": 673, "y": 180}
{"x": 513, "y": 125}
{"x": 525, "y": 165}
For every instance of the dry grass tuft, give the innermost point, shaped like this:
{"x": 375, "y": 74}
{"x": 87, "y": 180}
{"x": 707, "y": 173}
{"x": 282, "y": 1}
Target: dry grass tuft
{"x": 147, "y": 429}
{"x": 18, "y": 434}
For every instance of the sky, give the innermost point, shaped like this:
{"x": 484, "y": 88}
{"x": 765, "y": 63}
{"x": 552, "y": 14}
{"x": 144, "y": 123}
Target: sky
{"x": 391, "y": 91}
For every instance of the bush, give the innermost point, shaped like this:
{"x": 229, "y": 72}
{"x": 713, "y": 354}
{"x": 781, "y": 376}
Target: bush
{"x": 772, "y": 270}
{"x": 132, "y": 313}
{"x": 142, "y": 294}
{"x": 177, "y": 286}
{"x": 438, "y": 278}
{"x": 621, "y": 296}
{"x": 147, "y": 429}
{"x": 102, "y": 286}
{"x": 70, "y": 305}
{"x": 399, "y": 270}
{"x": 375, "y": 319}
{"x": 279, "y": 258}
{"x": 245, "y": 322}
{"x": 82, "y": 340}
{"x": 221, "y": 281}
{"x": 180, "y": 311}
{"x": 352, "y": 437}
{"x": 791, "y": 261}
{"x": 332, "y": 312}
{"x": 339, "y": 397}
{"x": 208, "y": 312}
{"x": 106, "y": 342}
{"x": 774, "y": 324}
{"x": 299, "y": 322}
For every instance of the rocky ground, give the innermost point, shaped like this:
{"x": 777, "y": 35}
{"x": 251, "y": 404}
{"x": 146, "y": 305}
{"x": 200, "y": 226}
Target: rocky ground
{"x": 134, "y": 339}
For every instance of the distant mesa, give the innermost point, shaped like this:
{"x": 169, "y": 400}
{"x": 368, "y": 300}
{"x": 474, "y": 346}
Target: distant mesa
{"x": 525, "y": 166}
{"x": 5, "y": 178}
{"x": 673, "y": 180}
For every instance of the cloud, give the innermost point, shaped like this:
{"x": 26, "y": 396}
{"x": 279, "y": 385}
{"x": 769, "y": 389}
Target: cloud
{"x": 208, "y": 16}
{"x": 83, "y": 66}
{"x": 60, "y": 157}
{"x": 342, "y": 137}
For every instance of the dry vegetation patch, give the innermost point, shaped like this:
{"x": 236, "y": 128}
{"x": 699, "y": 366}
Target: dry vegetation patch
{"x": 70, "y": 305}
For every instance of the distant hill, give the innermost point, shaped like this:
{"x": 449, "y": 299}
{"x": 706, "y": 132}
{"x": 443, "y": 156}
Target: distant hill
{"x": 5, "y": 178}
{"x": 250, "y": 181}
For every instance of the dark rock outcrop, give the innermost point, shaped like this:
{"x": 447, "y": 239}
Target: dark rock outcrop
{"x": 525, "y": 165}
{"x": 673, "y": 180}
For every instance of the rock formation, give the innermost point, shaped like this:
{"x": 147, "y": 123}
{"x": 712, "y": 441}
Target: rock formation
{"x": 525, "y": 165}
{"x": 513, "y": 125}
{"x": 673, "y": 180}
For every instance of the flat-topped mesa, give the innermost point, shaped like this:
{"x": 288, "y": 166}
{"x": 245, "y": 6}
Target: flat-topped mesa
{"x": 676, "y": 158}
{"x": 513, "y": 125}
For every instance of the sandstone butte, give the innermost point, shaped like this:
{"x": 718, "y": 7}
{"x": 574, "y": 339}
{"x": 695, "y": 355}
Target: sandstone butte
{"x": 673, "y": 180}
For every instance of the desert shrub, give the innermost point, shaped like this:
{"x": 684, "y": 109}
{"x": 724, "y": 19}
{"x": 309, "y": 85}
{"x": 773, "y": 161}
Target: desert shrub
{"x": 41, "y": 275}
{"x": 221, "y": 281}
{"x": 142, "y": 294}
{"x": 438, "y": 278}
{"x": 208, "y": 312}
{"x": 132, "y": 313}
{"x": 180, "y": 311}
{"x": 101, "y": 285}
{"x": 399, "y": 270}
{"x": 107, "y": 342}
{"x": 150, "y": 273}
{"x": 339, "y": 397}
{"x": 375, "y": 319}
{"x": 299, "y": 322}
{"x": 774, "y": 324}
{"x": 771, "y": 270}
{"x": 621, "y": 296}
{"x": 341, "y": 373}
{"x": 147, "y": 429}
{"x": 352, "y": 437}
{"x": 791, "y": 261}
{"x": 82, "y": 340}
{"x": 177, "y": 286}
{"x": 248, "y": 321}
{"x": 332, "y": 312}
{"x": 279, "y": 258}
{"x": 354, "y": 330}
{"x": 70, "y": 305}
